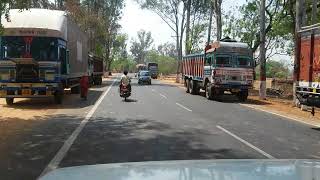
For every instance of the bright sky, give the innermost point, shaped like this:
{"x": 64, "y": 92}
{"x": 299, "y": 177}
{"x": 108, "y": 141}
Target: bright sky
{"x": 135, "y": 19}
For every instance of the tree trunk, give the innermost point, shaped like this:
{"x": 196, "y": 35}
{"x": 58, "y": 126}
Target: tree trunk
{"x": 314, "y": 11}
{"x": 210, "y": 24}
{"x": 218, "y": 18}
{"x": 299, "y": 16}
{"x": 262, "y": 91}
{"x": 188, "y": 42}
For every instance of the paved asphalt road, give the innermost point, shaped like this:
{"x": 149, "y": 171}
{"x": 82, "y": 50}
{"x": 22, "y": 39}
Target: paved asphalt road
{"x": 160, "y": 122}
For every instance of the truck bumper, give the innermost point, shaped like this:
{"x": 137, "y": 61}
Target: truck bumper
{"x": 231, "y": 87}
{"x": 309, "y": 98}
{"x": 27, "y": 90}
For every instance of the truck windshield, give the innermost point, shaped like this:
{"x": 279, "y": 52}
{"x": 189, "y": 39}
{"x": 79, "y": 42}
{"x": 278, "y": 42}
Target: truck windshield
{"x": 244, "y": 61}
{"x": 38, "y": 48}
{"x": 223, "y": 61}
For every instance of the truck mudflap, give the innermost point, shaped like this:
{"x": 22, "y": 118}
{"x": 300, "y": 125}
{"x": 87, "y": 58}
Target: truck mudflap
{"x": 27, "y": 90}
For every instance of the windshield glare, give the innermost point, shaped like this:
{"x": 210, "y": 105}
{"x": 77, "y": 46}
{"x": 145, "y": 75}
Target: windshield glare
{"x": 144, "y": 73}
{"x": 244, "y": 62}
{"x": 40, "y": 49}
{"x": 223, "y": 61}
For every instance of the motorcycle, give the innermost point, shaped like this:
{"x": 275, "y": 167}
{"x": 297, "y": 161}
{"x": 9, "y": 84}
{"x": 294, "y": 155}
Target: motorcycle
{"x": 124, "y": 92}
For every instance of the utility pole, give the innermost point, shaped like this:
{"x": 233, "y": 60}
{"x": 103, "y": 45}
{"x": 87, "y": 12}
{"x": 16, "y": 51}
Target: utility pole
{"x": 262, "y": 91}
{"x": 299, "y": 16}
{"x": 188, "y": 43}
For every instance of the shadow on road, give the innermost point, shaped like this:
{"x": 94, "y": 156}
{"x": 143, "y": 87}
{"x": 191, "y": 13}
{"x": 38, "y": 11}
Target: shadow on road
{"x": 106, "y": 140}
{"x": 130, "y": 100}
{"x": 27, "y": 146}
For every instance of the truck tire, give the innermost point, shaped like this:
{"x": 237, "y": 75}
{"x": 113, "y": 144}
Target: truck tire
{"x": 9, "y": 101}
{"x": 75, "y": 90}
{"x": 191, "y": 87}
{"x": 209, "y": 94}
{"x": 194, "y": 87}
{"x": 243, "y": 96}
{"x": 58, "y": 97}
{"x": 100, "y": 80}
{"x": 187, "y": 86}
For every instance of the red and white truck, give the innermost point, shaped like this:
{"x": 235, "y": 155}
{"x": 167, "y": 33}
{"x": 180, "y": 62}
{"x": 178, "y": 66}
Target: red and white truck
{"x": 308, "y": 74}
{"x": 225, "y": 65}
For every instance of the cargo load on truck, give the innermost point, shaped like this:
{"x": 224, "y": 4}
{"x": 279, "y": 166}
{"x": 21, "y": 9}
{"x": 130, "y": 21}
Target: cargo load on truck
{"x": 42, "y": 52}
{"x": 224, "y": 66}
{"x": 96, "y": 68}
{"x": 153, "y": 69}
{"x": 308, "y": 85}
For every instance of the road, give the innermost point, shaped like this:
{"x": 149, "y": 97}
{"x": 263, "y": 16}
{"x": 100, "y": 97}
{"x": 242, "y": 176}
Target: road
{"x": 160, "y": 122}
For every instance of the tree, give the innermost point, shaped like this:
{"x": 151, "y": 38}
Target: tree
{"x": 167, "y": 49}
{"x": 166, "y": 65}
{"x": 173, "y": 13}
{"x": 140, "y": 46}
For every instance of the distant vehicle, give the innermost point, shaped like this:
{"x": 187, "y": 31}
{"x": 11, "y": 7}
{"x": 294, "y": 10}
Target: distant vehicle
{"x": 193, "y": 169}
{"x": 95, "y": 65}
{"x": 144, "y": 77}
{"x": 225, "y": 66}
{"x": 308, "y": 86}
{"x": 140, "y": 67}
{"x": 42, "y": 52}
{"x": 153, "y": 68}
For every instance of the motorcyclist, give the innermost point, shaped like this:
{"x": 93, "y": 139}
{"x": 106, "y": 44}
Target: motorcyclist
{"x": 125, "y": 80}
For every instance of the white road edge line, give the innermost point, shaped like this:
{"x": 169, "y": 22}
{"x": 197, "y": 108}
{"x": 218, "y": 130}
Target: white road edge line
{"x": 277, "y": 114}
{"x": 184, "y": 107}
{"x": 163, "y": 96}
{"x": 54, "y": 163}
{"x": 246, "y": 143}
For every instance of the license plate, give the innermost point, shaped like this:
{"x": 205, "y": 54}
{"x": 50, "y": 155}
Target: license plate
{"x": 26, "y": 92}
{"x": 314, "y": 90}
{"x": 3, "y": 93}
{"x": 235, "y": 90}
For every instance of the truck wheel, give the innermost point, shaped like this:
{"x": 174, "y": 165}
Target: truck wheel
{"x": 58, "y": 97}
{"x": 209, "y": 95}
{"x": 187, "y": 85}
{"x": 193, "y": 87}
{"x": 9, "y": 101}
{"x": 100, "y": 80}
{"x": 243, "y": 96}
{"x": 75, "y": 90}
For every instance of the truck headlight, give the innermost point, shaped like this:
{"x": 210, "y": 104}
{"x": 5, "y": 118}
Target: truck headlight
{"x": 50, "y": 75}
{"x": 4, "y": 74}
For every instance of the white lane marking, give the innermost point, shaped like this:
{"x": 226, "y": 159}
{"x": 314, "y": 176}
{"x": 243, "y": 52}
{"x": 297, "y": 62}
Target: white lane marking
{"x": 163, "y": 96}
{"x": 246, "y": 143}
{"x": 54, "y": 163}
{"x": 184, "y": 107}
{"x": 153, "y": 90}
{"x": 284, "y": 116}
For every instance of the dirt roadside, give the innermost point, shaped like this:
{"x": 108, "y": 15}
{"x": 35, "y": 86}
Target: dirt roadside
{"x": 276, "y": 106}
{"x": 33, "y": 109}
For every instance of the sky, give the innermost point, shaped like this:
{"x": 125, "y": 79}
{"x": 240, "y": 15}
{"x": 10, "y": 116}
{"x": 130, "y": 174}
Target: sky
{"x": 135, "y": 19}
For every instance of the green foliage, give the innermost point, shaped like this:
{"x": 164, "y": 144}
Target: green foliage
{"x": 123, "y": 64}
{"x": 140, "y": 46}
{"x": 167, "y": 65}
{"x": 275, "y": 69}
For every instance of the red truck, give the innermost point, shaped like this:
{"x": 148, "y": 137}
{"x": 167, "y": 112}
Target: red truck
{"x": 308, "y": 76}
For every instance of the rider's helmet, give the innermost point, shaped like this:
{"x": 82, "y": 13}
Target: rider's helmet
{"x": 125, "y": 72}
